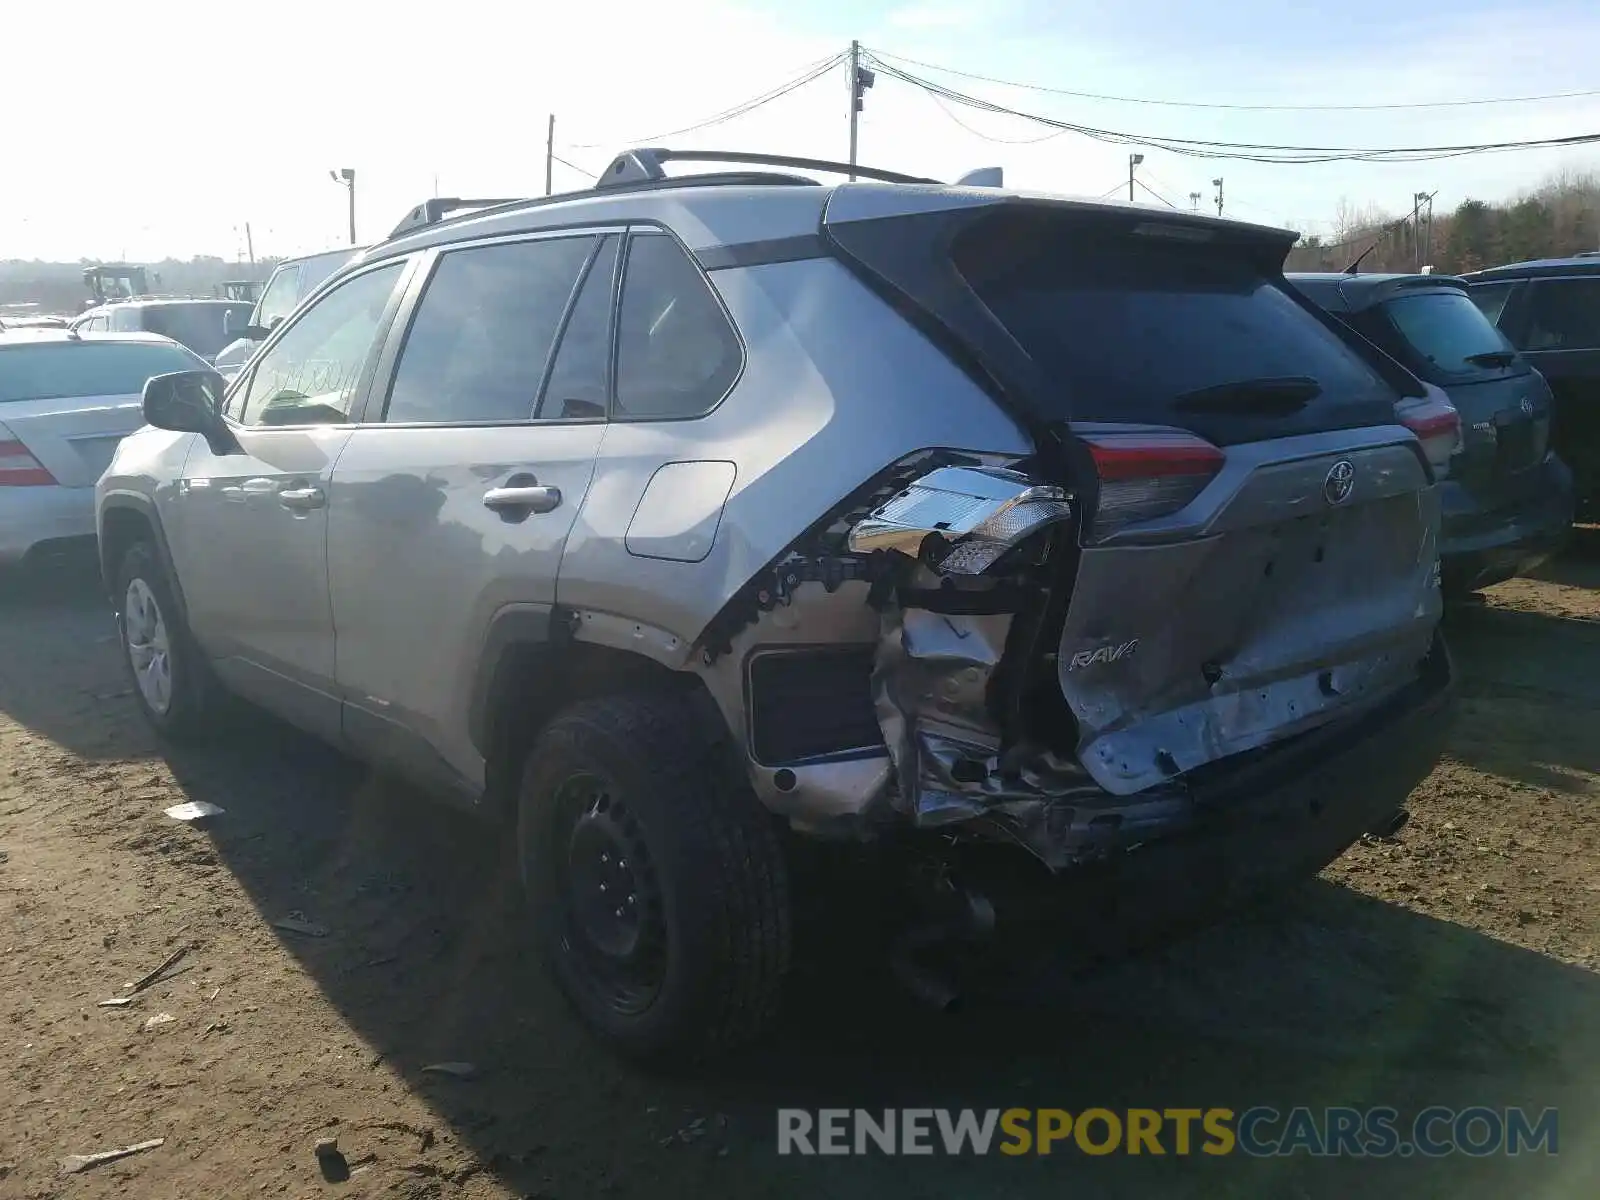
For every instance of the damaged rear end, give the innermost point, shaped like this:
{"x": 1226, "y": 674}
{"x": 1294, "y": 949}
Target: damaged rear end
{"x": 1222, "y": 553}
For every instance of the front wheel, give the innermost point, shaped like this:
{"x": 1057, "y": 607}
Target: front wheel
{"x": 657, "y": 882}
{"x": 171, "y": 681}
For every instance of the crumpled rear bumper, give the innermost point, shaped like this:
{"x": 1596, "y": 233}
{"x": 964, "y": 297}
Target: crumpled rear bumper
{"x": 1254, "y": 828}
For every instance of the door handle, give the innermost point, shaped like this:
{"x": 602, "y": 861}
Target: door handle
{"x": 301, "y": 498}
{"x": 530, "y": 499}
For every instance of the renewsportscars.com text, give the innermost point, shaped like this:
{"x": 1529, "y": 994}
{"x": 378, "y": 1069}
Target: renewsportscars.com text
{"x": 1257, "y": 1132}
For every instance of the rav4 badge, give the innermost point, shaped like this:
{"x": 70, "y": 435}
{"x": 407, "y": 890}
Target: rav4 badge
{"x": 1104, "y": 654}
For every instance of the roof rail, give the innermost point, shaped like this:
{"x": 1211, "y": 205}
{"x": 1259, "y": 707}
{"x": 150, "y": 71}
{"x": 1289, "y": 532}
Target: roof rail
{"x": 644, "y": 165}
{"x": 431, "y": 212}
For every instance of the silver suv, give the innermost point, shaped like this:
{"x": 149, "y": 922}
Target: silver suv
{"x": 1020, "y": 538}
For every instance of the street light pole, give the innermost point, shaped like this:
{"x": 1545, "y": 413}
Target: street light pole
{"x": 1133, "y": 161}
{"x": 347, "y": 176}
{"x": 1217, "y": 183}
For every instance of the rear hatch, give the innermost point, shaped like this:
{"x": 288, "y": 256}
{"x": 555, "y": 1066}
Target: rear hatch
{"x": 1435, "y": 329}
{"x": 64, "y": 405}
{"x": 1257, "y": 542}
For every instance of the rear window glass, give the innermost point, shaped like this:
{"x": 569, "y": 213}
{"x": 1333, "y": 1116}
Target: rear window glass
{"x": 204, "y": 328}
{"x": 53, "y": 370}
{"x": 1446, "y": 329}
{"x": 1125, "y": 325}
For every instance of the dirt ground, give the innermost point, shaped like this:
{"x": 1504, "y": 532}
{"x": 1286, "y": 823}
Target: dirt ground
{"x": 1457, "y": 964}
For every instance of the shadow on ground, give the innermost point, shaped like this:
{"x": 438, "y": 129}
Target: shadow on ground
{"x": 56, "y": 631}
{"x": 1331, "y": 998}
{"x": 1530, "y": 686}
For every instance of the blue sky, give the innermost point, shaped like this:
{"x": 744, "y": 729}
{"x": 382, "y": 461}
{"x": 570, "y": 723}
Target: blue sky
{"x": 235, "y": 113}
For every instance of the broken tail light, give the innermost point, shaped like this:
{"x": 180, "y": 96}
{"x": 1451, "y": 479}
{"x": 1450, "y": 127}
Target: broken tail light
{"x": 978, "y": 513}
{"x": 1147, "y": 473}
{"x": 19, "y": 468}
{"x": 1437, "y": 425}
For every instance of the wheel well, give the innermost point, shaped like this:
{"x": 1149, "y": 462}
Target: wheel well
{"x": 120, "y": 528}
{"x": 533, "y": 681}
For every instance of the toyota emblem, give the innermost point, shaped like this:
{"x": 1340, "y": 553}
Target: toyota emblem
{"x": 1341, "y": 481}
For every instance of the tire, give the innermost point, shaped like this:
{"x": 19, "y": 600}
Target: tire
{"x": 693, "y": 964}
{"x": 152, "y": 631}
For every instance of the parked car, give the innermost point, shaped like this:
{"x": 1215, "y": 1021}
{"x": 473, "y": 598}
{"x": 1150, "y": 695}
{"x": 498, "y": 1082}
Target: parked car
{"x": 676, "y": 515}
{"x": 204, "y": 326}
{"x": 65, "y": 402}
{"x": 32, "y": 321}
{"x": 292, "y": 281}
{"x": 1508, "y": 501}
{"x": 1550, "y": 309}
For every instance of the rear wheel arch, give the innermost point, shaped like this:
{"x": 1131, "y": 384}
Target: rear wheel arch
{"x": 532, "y": 669}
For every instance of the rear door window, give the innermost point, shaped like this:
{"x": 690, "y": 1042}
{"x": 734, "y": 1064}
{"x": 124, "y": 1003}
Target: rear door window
{"x": 580, "y": 376}
{"x": 1123, "y": 326}
{"x": 483, "y": 332}
{"x": 1564, "y": 314}
{"x": 677, "y": 354}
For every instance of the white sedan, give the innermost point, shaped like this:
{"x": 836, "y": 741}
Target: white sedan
{"x": 66, "y": 400}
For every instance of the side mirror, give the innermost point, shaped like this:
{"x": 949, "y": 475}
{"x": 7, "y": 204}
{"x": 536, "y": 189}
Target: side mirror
{"x": 189, "y": 402}
{"x": 257, "y": 333}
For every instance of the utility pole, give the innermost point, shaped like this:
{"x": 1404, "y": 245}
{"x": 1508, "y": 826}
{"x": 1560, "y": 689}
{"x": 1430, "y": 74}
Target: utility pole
{"x": 249, "y": 244}
{"x": 347, "y": 176}
{"x": 1217, "y": 183}
{"x": 861, "y": 78}
{"x": 1424, "y": 242}
{"x": 1194, "y": 201}
{"x": 549, "y": 152}
{"x": 1133, "y": 161}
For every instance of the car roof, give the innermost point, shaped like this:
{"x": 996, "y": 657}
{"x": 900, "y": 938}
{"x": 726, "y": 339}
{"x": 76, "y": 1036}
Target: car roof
{"x": 12, "y": 338}
{"x": 1578, "y": 264}
{"x": 1338, "y": 292}
{"x": 341, "y": 252}
{"x": 710, "y": 213}
{"x": 164, "y": 301}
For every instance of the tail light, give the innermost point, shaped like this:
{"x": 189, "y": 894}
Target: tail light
{"x": 1147, "y": 473}
{"x": 1437, "y": 425}
{"x": 19, "y": 468}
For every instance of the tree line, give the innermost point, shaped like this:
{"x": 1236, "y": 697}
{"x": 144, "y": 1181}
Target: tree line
{"x": 1560, "y": 217}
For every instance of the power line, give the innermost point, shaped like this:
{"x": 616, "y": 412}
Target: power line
{"x": 575, "y": 167}
{"x": 1238, "y": 151}
{"x": 978, "y": 133}
{"x": 1155, "y": 193}
{"x": 1036, "y": 87}
{"x": 815, "y": 71}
